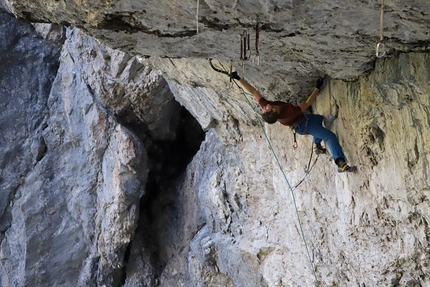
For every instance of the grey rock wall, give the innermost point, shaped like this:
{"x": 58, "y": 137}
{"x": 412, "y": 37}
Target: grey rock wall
{"x": 29, "y": 65}
{"x": 370, "y": 228}
{"x": 74, "y": 166}
{"x": 90, "y": 198}
{"x": 298, "y": 40}
{"x": 73, "y": 175}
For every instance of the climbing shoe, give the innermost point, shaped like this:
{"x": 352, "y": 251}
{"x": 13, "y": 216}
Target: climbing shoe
{"x": 346, "y": 168}
{"x": 319, "y": 149}
{"x": 343, "y": 166}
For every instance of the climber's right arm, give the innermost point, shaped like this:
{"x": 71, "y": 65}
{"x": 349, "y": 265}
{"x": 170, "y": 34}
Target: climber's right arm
{"x": 250, "y": 89}
{"x": 247, "y": 86}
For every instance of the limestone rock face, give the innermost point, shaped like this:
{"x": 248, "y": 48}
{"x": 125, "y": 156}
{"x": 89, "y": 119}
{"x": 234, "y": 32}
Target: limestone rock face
{"x": 370, "y": 228}
{"x": 93, "y": 192}
{"x": 298, "y": 40}
{"x": 80, "y": 188}
{"x": 72, "y": 175}
{"x": 23, "y": 55}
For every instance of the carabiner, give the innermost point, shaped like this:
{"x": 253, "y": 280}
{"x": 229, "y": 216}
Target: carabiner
{"x": 295, "y": 144}
{"x": 380, "y": 54}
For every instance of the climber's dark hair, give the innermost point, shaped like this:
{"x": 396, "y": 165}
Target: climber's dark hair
{"x": 270, "y": 117}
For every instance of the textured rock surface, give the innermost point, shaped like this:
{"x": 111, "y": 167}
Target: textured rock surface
{"x": 29, "y": 65}
{"x": 364, "y": 229}
{"x": 72, "y": 209}
{"x": 298, "y": 39}
{"x": 73, "y": 171}
{"x": 75, "y": 206}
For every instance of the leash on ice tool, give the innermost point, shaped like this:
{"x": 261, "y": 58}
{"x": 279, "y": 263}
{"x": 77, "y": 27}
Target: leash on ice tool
{"x": 223, "y": 70}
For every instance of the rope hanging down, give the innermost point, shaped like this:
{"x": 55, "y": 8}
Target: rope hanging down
{"x": 224, "y": 71}
{"x": 197, "y": 16}
{"x": 380, "y": 47}
{"x": 308, "y": 168}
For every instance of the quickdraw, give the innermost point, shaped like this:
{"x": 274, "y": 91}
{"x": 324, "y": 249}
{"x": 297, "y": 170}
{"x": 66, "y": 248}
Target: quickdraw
{"x": 295, "y": 144}
{"x": 197, "y": 16}
{"x": 257, "y": 37}
{"x": 380, "y": 47}
{"x": 245, "y": 40}
{"x": 241, "y": 49}
{"x": 249, "y": 45}
{"x": 244, "y": 46}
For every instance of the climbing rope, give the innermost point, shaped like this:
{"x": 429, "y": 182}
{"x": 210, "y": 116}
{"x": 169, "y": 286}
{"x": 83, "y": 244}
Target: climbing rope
{"x": 197, "y": 16}
{"x": 381, "y": 45}
{"x": 224, "y": 71}
{"x": 308, "y": 168}
{"x": 288, "y": 183}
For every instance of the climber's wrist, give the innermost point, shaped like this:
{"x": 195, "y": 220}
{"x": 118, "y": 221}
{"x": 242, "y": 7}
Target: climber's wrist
{"x": 235, "y": 76}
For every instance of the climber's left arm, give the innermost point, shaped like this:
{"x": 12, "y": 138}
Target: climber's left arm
{"x": 311, "y": 99}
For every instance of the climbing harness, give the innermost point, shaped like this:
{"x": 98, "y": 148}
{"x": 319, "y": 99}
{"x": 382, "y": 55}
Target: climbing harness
{"x": 280, "y": 168}
{"x": 380, "y": 47}
{"x": 296, "y": 125}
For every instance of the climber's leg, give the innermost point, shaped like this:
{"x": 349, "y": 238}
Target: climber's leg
{"x": 320, "y": 133}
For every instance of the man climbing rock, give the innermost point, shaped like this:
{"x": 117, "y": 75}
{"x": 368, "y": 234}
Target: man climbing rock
{"x": 293, "y": 116}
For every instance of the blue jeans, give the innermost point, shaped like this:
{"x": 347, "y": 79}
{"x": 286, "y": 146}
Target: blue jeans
{"x": 320, "y": 133}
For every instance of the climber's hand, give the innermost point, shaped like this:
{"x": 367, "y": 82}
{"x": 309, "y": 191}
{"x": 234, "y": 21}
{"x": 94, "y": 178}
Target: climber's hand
{"x": 235, "y": 76}
{"x": 319, "y": 84}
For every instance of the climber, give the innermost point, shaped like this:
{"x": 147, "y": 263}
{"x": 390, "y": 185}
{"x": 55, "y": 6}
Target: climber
{"x": 293, "y": 116}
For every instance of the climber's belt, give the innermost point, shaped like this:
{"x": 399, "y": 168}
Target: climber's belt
{"x": 297, "y": 123}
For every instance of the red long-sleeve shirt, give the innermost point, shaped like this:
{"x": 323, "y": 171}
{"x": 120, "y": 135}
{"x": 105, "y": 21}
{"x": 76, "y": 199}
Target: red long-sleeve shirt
{"x": 289, "y": 113}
